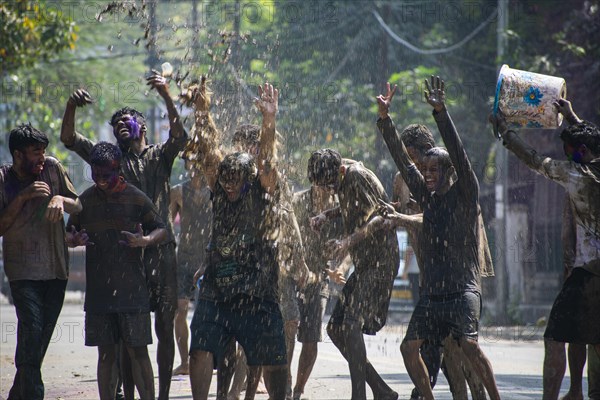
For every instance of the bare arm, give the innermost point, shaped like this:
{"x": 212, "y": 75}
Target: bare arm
{"x": 204, "y": 144}
{"x": 79, "y": 98}
{"x": 158, "y": 82}
{"x": 267, "y": 104}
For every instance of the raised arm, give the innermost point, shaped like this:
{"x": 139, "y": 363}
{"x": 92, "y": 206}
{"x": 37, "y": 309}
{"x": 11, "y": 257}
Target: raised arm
{"x": 203, "y": 147}
{"x": 79, "y": 98}
{"x": 158, "y": 82}
{"x": 408, "y": 170}
{"x": 557, "y": 171}
{"x": 268, "y": 104}
{"x": 435, "y": 96}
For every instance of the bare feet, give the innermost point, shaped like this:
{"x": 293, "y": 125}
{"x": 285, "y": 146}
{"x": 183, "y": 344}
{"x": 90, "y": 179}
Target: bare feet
{"x": 182, "y": 370}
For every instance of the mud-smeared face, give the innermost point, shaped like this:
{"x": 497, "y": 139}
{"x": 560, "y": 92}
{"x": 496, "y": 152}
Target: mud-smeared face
{"x": 432, "y": 173}
{"x": 105, "y": 177}
{"x": 33, "y": 159}
{"x": 127, "y": 129}
{"x": 232, "y": 182}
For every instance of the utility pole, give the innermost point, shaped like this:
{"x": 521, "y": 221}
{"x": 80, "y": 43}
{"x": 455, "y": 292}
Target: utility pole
{"x": 501, "y": 188}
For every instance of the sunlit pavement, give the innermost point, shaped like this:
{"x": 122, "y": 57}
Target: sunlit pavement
{"x": 69, "y": 369}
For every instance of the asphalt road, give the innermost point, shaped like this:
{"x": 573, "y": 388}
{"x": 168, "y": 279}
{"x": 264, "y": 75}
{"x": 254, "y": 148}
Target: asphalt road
{"x": 69, "y": 371}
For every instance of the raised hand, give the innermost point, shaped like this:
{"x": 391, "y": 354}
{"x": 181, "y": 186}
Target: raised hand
{"x": 385, "y": 100}
{"x": 136, "y": 239}
{"x": 80, "y": 98}
{"x": 55, "y": 209}
{"x": 267, "y": 101}
{"x": 434, "y": 93}
{"x": 499, "y": 125}
{"x": 564, "y": 107}
{"x": 199, "y": 95}
{"x": 158, "y": 82}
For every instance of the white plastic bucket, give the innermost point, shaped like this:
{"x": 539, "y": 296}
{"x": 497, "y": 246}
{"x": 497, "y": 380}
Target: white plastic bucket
{"x": 525, "y": 98}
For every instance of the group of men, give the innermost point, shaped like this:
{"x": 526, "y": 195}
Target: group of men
{"x": 248, "y": 245}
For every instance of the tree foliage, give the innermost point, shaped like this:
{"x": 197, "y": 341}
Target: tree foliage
{"x": 31, "y": 31}
{"x": 329, "y": 59}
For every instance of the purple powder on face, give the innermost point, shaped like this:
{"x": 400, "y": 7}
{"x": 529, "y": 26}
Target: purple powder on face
{"x": 133, "y": 127}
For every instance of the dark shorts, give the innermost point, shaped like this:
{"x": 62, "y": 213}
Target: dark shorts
{"x": 288, "y": 299}
{"x": 104, "y": 329}
{"x": 364, "y": 299}
{"x": 574, "y": 315}
{"x": 312, "y": 309}
{"x": 185, "y": 279}
{"x": 161, "y": 275}
{"x": 254, "y": 323}
{"x": 436, "y": 317}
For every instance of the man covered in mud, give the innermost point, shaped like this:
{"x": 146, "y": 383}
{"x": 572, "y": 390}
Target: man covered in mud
{"x": 147, "y": 167}
{"x": 363, "y": 305}
{"x": 574, "y": 314}
{"x": 418, "y": 139}
{"x": 313, "y": 299}
{"x": 117, "y": 308}
{"x": 450, "y": 300}
{"x": 238, "y": 298}
{"x": 293, "y": 272}
{"x": 35, "y": 192}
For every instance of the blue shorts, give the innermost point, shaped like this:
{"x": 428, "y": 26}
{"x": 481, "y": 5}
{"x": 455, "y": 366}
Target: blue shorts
{"x": 256, "y": 324}
{"x": 436, "y": 317}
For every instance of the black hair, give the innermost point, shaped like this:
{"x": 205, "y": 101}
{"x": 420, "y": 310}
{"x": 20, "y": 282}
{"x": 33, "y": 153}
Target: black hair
{"x": 441, "y": 154}
{"x": 105, "y": 154}
{"x": 418, "y": 136}
{"x": 124, "y": 111}
{"x": 584, "y": 133}
{"x": 247, "y": 135}
{"x": 24, "y": 136}
{"x": 239, "y": 162}
{"x": 324, "y": 166}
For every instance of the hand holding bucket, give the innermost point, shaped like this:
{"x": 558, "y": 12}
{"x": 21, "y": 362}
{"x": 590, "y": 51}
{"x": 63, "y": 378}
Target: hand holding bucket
{"x": 526, "y": 98}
